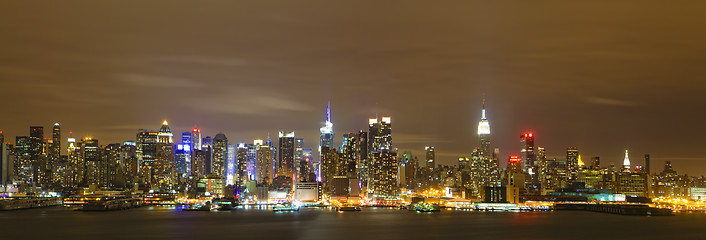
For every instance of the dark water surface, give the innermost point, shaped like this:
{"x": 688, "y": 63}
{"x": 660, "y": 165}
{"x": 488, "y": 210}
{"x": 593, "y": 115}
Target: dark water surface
{"x": 166, "y": 223}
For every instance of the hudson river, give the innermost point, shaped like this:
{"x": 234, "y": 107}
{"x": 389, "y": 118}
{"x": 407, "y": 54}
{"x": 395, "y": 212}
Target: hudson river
{"x": 166, "y": 223}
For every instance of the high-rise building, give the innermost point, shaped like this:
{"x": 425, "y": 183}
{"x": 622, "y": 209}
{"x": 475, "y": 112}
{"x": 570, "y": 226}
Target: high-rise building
{"x": 55, "y": 148}
{"x": 626, "y": 161}
{"x": 23, "y": 165}
{"x": 528, "y": 155}
{"x": 242, "y": 159}
{"x": 596, "y": 162}
{"x": 164, "y": 170}
{"x": 647, "y": 163}
{"x": 380, "y": 134}
{"x": 36, "y": 136}
{"x": 96, "y": 168}
{"x": 572, "y": 162}
{"x": 353, "y": 154}
{"x": 195, "y": 139}
{"x": 285, "y": 158}
{"x": 220, "y": 156}
{"x": 146, "y": 147}
{"x": 77, "y": 161}
{"x": 430, "y": 156}
{"x": 299, "y": 174}
{"x": 264, "y": 165}
{"x": 6, "y": 168}
{"x": 165, "y": 133}
{"x": 182, "y": 159}
{"x": 484, "y": 133}
{"x": 325, "y": 138}
{"x": 484, "y": 162}
{"x": 231, "y": 164}
{"x": 384, "y": 181}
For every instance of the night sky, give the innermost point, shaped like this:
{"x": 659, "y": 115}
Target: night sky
{"x": 603, "y": 76}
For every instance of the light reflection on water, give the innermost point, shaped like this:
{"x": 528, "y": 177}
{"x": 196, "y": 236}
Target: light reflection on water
{"x": 260, "y": 222}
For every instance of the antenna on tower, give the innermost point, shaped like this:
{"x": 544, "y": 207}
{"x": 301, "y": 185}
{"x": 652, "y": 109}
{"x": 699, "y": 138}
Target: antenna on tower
{"x": 328, "y": 111}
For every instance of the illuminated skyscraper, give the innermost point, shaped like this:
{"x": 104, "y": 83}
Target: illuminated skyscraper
{"x": 242, "y": 158}
{"x": 36, "y": 136}
{"x": 220, "y": 155}
{"x": 353, "y": 153}
{"x": 384, "y": 181}
{"x": 23, "y": 165}
{"x": 285, "y": 158}
{"x": 195, "y": 139}
{"x": 165, "y": 133}
{"x": 55, "y": 150}
{"x": 572, "y": 162}
{"x": 95, "y": 168}
{"x": 379, "y": 134}
{"x": 146, "y": 147}
{"x": 231, "y": 164}
{"x": 326, "y": 136}
{"x": 528, "y": 155}
{"x": 626, "y": 161}
{"x": 484, "y": 133}
{"x": 77, "y": 162}
{"x": 430, "y": 156}
{"x": 183, "y": 155}
{"x": 484, "y": 164}
{"x": 164, "y": 170}
{"x": 264, "y": 165}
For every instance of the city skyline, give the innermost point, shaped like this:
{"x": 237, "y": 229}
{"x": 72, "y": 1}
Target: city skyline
{"x": 571, "y": 79}
{"x": 443, "y": 158}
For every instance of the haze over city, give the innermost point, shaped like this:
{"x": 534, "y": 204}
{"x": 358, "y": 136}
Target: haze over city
{"x": 601, "y": 76}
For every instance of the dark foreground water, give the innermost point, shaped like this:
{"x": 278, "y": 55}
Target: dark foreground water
{"x": 165, "y": 223}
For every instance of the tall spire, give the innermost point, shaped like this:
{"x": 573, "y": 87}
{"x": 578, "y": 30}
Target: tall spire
{"x": 483, "y": 113}
{"x": 483, "y": 125}
{"x": 328, "y": 112}
{"x": 626, "y": 162}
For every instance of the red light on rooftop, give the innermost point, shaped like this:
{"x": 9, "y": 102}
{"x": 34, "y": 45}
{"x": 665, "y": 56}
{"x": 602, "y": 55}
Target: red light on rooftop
{"x": 514, "y": 158}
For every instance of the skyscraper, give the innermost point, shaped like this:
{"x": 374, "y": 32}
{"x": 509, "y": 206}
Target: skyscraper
{"x": 647, "y": 163}
{"x": 484, "y": 133}
{"x": 195, "y": 139}
{"x": 231, "y": 164}
{"x": 430, "y": 156}
{"x": 384, "y": 182}
{"x": 95, "y": 168}
{"x": 626, "y": 161}
{"x": 528, "y": 154}
{"x": 183, "y": 155}
{"x": 379, "y": 134}
{"x": 56, "y": 143}
{"x": 23, "y": 165}
{"x": 220, "y": 155}
{"x": 242, "y": 158}
{"x": 77, "y": 162}
{"x": 326, "y": 137}
{"x": 146, "y": 147}
{"x": 484, "y": 164}
{"x": 164, "y": 169}
{"x": 264, "y": 165}
{"x": 36, "y": 136}
{"x": 285, "y": 158}
{"x": 572, "y": 162}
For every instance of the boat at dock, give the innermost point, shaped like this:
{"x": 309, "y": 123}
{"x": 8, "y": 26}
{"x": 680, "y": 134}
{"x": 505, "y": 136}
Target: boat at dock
{"x": 26, "y": 203}
{"x": 285, "y": 208}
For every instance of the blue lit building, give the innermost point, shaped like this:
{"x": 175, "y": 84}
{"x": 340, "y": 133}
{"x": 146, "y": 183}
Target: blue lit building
{"x": 325, "y": 140}
{"x": 231, "y": 165}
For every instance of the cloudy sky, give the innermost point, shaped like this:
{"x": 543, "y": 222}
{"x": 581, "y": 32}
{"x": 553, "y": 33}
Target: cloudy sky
{"x": 603, "y": 76}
